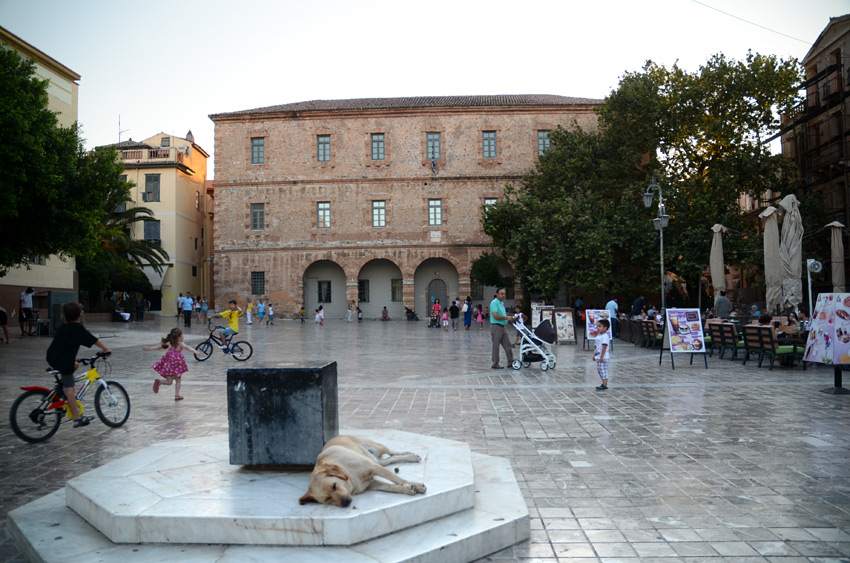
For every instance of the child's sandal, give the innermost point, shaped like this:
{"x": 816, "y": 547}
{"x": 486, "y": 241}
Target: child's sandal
{"x": 82, "y": 421}
{"x": 178, "y": 398}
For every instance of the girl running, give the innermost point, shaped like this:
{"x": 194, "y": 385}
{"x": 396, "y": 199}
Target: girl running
{"x": 172, "y": 365}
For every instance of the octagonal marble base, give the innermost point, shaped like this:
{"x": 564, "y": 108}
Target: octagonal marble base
{"x": 207, "y": 501}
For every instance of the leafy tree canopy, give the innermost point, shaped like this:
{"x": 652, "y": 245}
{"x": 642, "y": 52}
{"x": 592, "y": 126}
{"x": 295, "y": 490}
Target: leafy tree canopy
{"x": 47, "y": 205}
{"x": 578, "y": 218}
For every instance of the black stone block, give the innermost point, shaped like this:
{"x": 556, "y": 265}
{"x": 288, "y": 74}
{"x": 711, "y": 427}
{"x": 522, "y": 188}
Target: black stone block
{"x": 281, "y": 416}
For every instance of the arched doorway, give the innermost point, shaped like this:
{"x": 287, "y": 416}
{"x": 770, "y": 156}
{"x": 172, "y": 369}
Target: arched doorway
{"x": 324, "y": 284}
{"x": 437, "y": 290}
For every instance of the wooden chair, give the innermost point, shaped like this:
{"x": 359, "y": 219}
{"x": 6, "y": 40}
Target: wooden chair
{"x": 725, "y": 337}
{"x": 651, "y": 334}
{"x": 760, "y": 340}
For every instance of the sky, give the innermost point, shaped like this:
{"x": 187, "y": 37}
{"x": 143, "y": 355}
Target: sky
{"x": 165, "y": 66}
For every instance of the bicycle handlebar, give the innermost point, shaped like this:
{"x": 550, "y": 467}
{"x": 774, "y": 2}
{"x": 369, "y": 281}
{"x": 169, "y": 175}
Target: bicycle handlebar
{"x": 93, "y": 359}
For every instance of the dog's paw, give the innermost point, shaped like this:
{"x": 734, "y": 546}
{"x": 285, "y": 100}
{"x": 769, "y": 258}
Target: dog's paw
{"x": 418, "y": 488}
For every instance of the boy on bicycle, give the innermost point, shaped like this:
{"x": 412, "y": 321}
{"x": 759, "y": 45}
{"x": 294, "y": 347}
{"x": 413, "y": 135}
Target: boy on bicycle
{"x": 62, "y": 355}
{"x": 232, "y": 315}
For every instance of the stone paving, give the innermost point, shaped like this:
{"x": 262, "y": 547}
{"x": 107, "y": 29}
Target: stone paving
{"x": 733, "y": 463}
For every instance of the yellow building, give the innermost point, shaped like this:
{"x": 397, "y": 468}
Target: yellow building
{"x": 54, "y": 279}
{"x": 170, "y": 177}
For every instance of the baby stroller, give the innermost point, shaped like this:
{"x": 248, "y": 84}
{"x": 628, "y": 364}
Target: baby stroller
{"x": 535, "y": 346}
{"x": 434, "y": 320}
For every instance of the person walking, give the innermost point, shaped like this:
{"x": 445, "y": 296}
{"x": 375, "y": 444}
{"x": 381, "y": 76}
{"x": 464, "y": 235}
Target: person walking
{"x": 498, "y": 321}
{"x": 722, "y": 306}
{"x": 454, "y": 313}
{"x": 467, "y": 313}
{"x": 521, "y": 319}
{"x": 350, "y": 312}
{"x": 479, "y": 316}
{"x": 261, "y": 312}
{"x": 271, "y": 314}
{"x": 172, "y": 365}
{"x": 249, "y": 311}
{"x": 188, "y": 304}
{"x": 205, "y": 309}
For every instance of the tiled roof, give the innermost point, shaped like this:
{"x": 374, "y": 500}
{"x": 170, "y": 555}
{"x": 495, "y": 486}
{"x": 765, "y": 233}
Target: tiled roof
{"x": 131, "y": 144}
{"x": 421, "y": 102}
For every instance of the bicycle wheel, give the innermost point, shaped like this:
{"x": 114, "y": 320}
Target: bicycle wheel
{"x": 204, "y": 349}
{"x": 29, "y": 421}
{"x": 241, "y": 350}
{"x": 112, "y": 404}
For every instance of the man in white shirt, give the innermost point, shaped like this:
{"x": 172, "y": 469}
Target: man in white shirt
{"x": 613, "y": 307}
{"x": 25, "y": 310}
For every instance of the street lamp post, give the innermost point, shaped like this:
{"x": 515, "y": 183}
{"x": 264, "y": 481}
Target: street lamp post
{"x": 660, "y": 223}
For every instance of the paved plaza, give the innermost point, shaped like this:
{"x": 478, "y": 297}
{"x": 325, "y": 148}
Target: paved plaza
{"x": 730, "y": 463}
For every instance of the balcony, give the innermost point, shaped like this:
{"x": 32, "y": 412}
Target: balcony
{"x": 152, "y": 157}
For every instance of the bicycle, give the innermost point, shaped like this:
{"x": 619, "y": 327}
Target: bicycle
{"x": 240, "y": 351}
{"x": 37, "y": 413}
{"x": 31, "y": 324}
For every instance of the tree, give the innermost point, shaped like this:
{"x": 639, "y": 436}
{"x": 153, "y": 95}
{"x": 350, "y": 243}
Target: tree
{"x": 578, "y": 218}
{"x": 46, "y": 206}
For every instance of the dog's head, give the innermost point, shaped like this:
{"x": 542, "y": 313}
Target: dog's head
{"x": 328, "y": 485}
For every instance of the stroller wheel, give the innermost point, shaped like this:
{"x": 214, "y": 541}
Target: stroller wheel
{"x": 526, "y": 364}
{"x": 552, "y": 362}
{"x": 544, "y": 366}
{"x": 516, "y": 364}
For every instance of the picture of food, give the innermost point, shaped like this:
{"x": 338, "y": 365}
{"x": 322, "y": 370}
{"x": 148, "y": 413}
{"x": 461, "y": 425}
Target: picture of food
{"x": 823, "y": 315}
{"x": 697, "y": 344}
{"x": 847, "y": 302}
{"x": 684, "y": 329}
{"x": 843, "y": 314}
{"x": 695, "y": 327}
{"x": 676, "y": 340}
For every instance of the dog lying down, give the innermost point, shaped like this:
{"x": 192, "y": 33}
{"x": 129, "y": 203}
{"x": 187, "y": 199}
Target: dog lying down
{"x": 349, "y": 465}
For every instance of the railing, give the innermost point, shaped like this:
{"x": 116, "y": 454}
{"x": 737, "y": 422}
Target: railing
{"x": 153, "y": 154}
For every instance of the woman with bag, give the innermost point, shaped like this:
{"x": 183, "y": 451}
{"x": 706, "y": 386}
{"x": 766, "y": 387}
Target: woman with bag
{"x": 467, "y": 312}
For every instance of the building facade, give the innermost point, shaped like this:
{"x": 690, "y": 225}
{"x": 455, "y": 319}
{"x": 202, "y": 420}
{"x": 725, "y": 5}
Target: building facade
{"x": 170, "y": 177}
{"x": 816, "y": 134}
{"x": 47, "y": 274}
{"x": 371, "y": 202}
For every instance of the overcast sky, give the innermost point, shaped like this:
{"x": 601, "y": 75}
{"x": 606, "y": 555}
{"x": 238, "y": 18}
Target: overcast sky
{"x": 165, "y": 66}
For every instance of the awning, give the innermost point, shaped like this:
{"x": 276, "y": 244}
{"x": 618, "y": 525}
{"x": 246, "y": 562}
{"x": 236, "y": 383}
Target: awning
{"x": 155, "y": 279}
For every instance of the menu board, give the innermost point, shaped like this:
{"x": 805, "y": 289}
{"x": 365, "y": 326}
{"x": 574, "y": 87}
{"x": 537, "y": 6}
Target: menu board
{"x": 685, "y": 329}
{"x": 828, "y": 341}
{"x": 540, "y": 312}
{"x": 592, "y": 316}
{"x": 564, "y": 325}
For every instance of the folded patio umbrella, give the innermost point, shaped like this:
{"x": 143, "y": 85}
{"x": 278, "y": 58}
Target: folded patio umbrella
{"x": 791, "y": 252}
{"x": 718, "y": 269}
{"x": 772, "y": 264}
{"x": 837, "y": 230}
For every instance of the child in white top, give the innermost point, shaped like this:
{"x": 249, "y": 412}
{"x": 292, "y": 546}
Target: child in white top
{"x": 601, "y": 354}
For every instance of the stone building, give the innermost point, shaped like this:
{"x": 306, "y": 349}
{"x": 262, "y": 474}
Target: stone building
{"x": 816, "y": 134}
{"x": 375, "y": 202}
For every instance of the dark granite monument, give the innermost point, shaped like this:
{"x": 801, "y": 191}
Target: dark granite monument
{"x": 281, "y": 416}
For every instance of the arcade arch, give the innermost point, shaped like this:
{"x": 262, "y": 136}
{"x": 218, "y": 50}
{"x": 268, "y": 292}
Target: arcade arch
{"x": 324, "y": 284}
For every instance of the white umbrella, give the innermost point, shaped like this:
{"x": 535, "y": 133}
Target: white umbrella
{"x": 772, "y": 265}
{"x": 791, "y": 252}
{"x": 837, "y": 256}
{"x": 718, "y": 269}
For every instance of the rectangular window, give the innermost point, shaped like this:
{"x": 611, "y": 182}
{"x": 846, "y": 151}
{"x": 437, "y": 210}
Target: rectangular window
{"x": 197, "y": 201}
{"x": 258, "y": 283}
{"x": 323, "y": 215}
{"x": 435, "y": 212}
{"x": 363, "y": 291}
{"x": 323, "y": 148}
{"x": 488, "y": 201}
{"x": 379, "y": 213}
{"x": 258, "y": 150}
{"x": 324, "y": 291}
{"x": 194, "y": 271}
{"x": 165, "y": 142}
{"x": 151, "y": 188}
{"x": 542, "y": 142}
{"x": 258, "y": 216}
{"x": 152, "y": 232}
{"x": 397, "y": 290}
{"x": 196, "y": 244}
{"x": 432, "y": 146}
{"x": 488, "y": 144}
{"x": 378, "y": 147}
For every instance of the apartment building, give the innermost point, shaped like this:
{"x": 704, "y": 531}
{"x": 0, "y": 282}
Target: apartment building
{"x": 170, "y": 177}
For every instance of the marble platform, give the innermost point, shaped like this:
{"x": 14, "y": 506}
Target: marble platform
{"x": 183, "y": 499}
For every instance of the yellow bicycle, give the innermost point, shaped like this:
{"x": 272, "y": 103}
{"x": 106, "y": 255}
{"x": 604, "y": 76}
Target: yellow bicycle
{"x": 37, "y": 413}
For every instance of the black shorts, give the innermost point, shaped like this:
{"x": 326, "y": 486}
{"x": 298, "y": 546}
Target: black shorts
{"x": 24, "y": 315}
{"x": 4, "y": 319}
{"x": 68, "y": 380}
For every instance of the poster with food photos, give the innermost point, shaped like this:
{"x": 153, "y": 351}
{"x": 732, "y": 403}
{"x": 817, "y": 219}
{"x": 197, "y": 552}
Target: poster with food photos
{"x": 828, "y": 340}
{"x": 686, "y": 332}
{"x": 592, "y": 317}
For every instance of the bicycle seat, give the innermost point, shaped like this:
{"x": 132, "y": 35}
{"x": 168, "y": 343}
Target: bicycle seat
{"x": 51, "y": 371}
